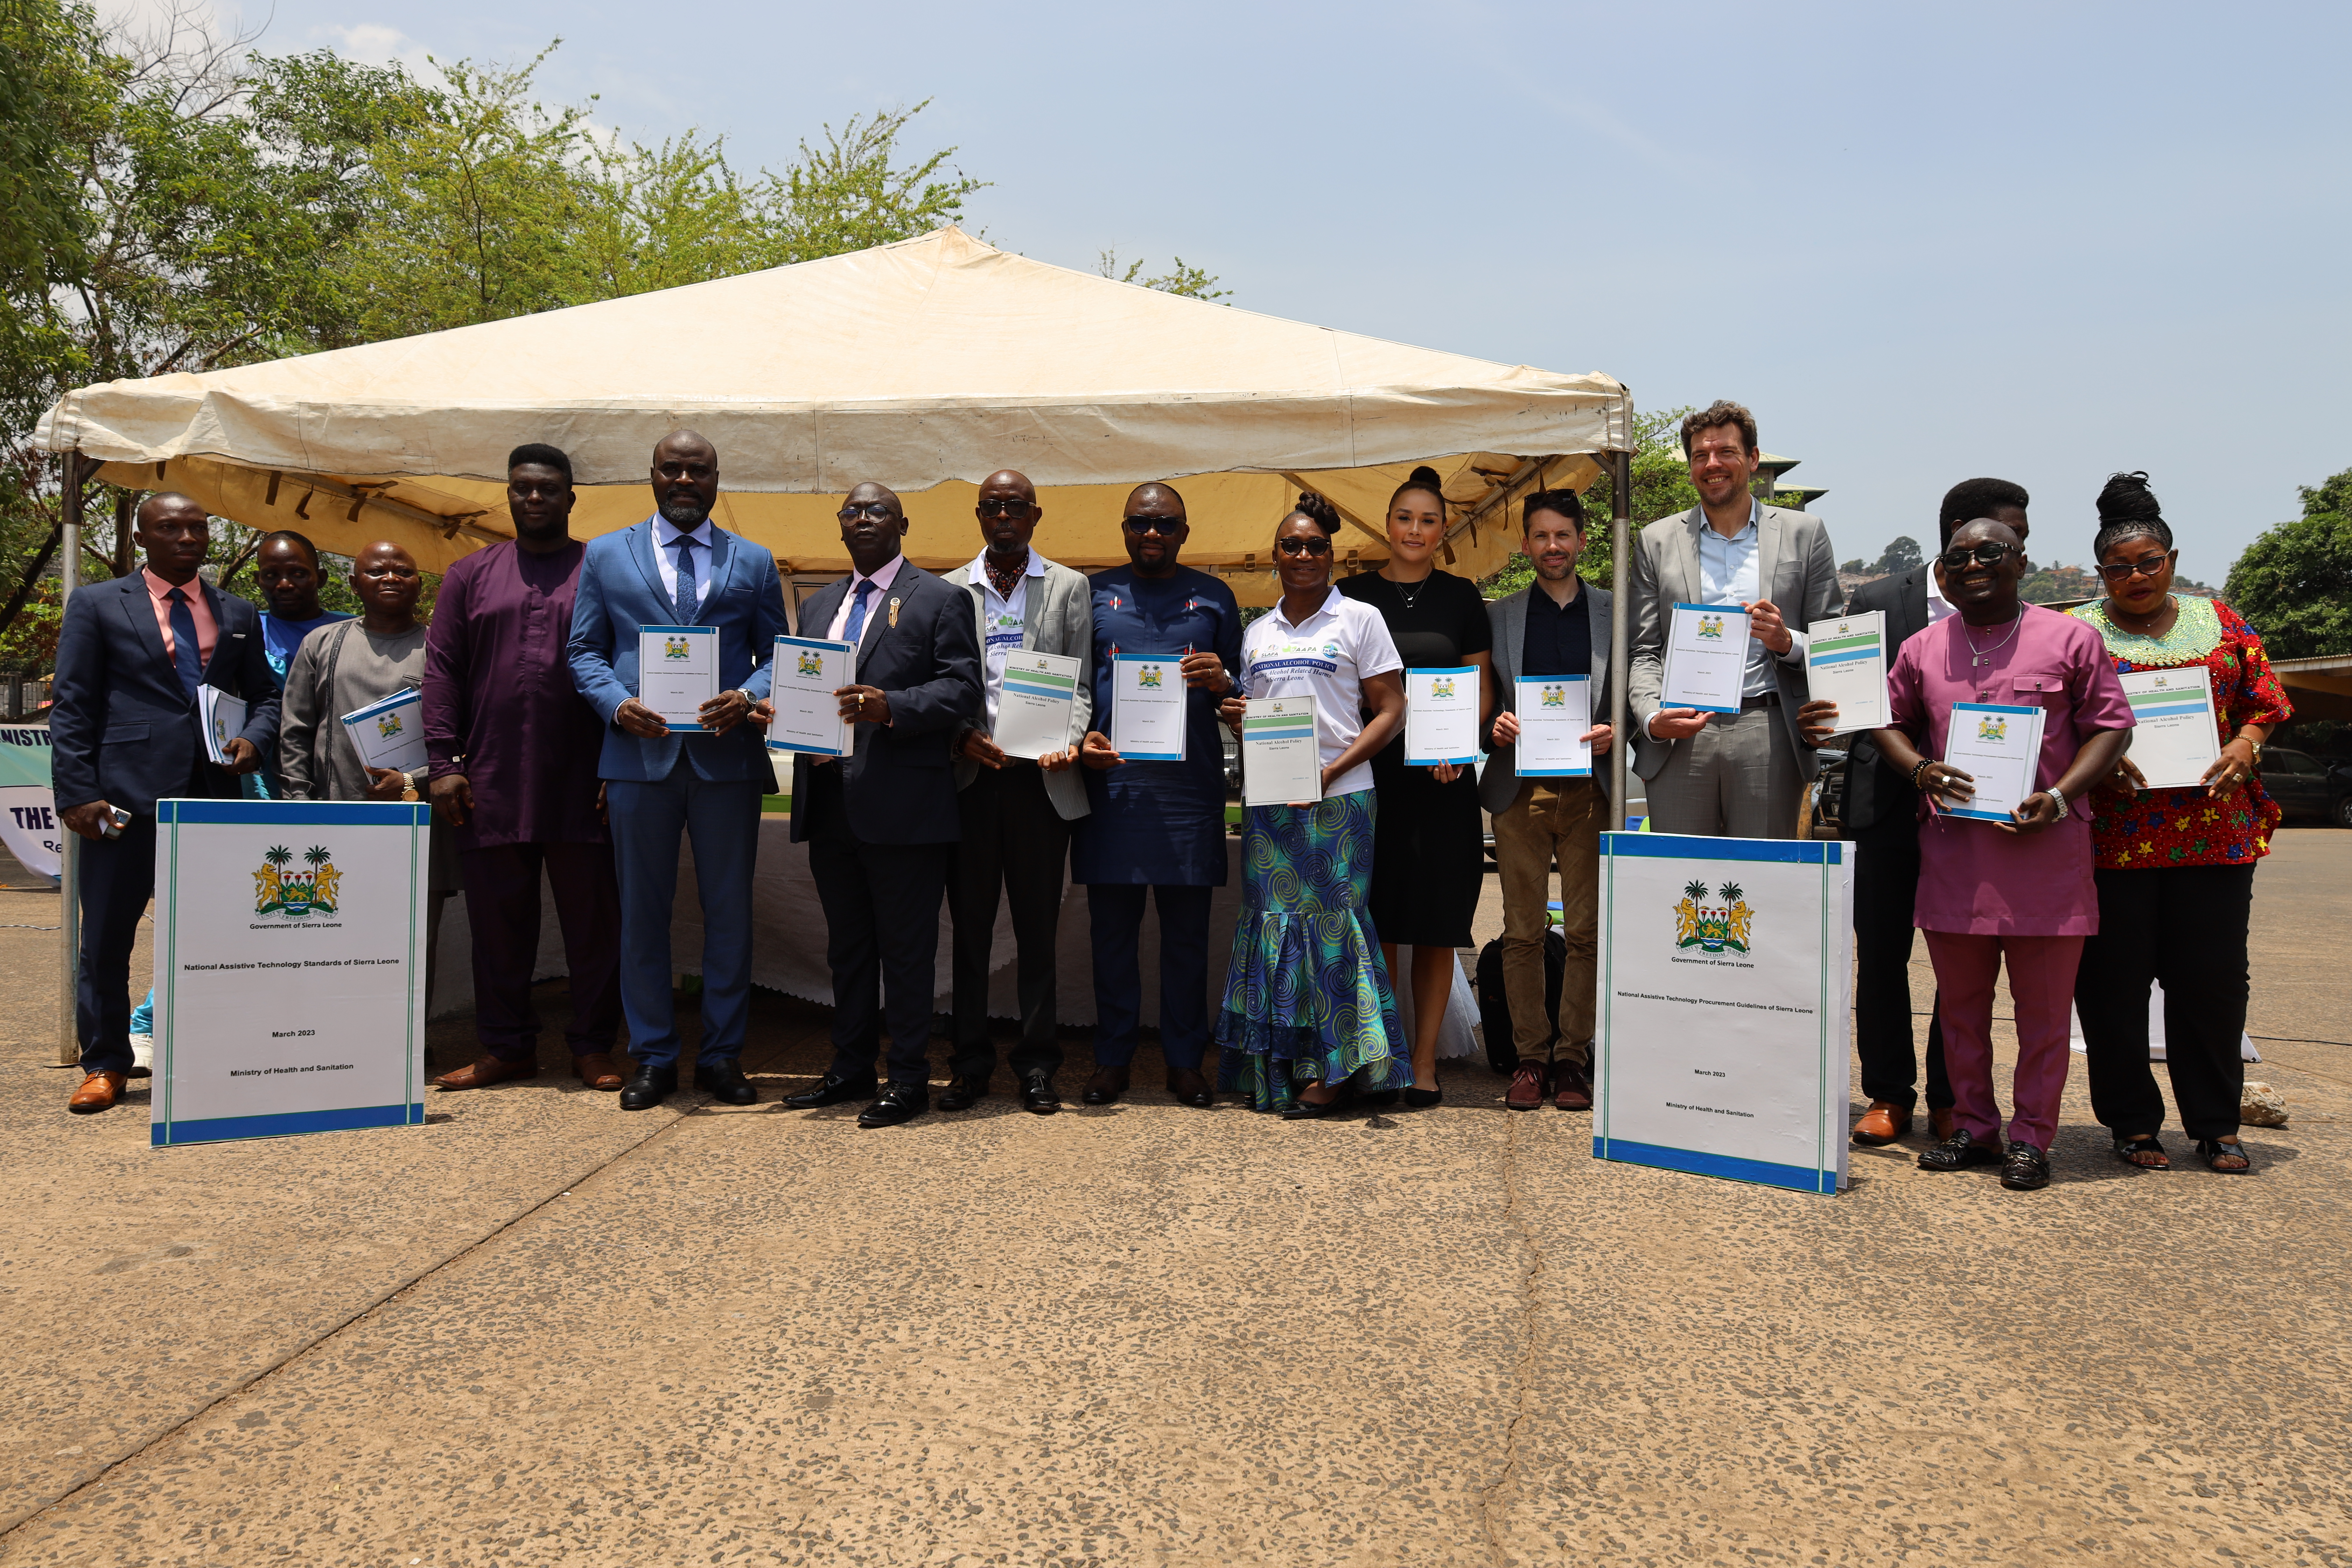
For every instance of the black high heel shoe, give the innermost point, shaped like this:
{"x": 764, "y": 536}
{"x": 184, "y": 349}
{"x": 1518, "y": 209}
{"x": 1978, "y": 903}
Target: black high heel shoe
{"x": 1308, "y": 1110}
{"x": 1422, "y": 1099}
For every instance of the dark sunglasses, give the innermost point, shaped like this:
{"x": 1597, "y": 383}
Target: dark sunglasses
{"x": 881, "y": 510}
{"x": 1297, "y": 546}
{"x": 1006, "y": 506}
{"x": 1982, "y": 555}
{"x": 1165, "y": 526}
{"x": 2145, "y": 566}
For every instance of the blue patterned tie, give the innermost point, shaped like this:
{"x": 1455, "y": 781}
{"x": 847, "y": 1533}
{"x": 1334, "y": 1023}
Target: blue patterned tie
{"x": 687, "y": 598}
{"x": 185, "y": 656}
{"x": 858, "y": 608}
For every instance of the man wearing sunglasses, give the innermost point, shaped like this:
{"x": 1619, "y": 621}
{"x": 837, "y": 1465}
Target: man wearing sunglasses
{"x": 677, "y": 568}
{"x": 1738, "y": 775}
{"x": 881, "y": 823}
{"x": 1158, "y": 829}
{"x": 1881, "y": 814}
{"x": 1016, "y": 813}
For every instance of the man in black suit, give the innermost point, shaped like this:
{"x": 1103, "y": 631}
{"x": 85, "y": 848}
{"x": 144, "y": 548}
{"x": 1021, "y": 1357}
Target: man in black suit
{"x": 1882, "y": 814}
{"x": 881, "y": 822}
{"x": 123, "y": 734}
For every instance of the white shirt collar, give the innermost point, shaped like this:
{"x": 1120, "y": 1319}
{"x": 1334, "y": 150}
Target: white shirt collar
{"x": 666, "y": 533}
{"x": 977, "y": 571}
{"x": 1330, "y": 606}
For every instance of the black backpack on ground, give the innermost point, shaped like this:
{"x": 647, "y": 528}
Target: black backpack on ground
{"x": 1494, "y": 1008}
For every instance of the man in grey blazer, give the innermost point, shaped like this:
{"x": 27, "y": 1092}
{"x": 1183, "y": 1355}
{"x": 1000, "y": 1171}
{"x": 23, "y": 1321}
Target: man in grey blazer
{"x": 1559, "y": 626}
{"x": 1738, "y": 775}
{"x": 1015, "y": 816}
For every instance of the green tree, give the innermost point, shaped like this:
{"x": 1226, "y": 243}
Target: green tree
{"x": 1902, "y": 554}
{"x": 1192, "y": 282}
{"x": 2294, "y": 584}
{"x": 1661, "y": 488}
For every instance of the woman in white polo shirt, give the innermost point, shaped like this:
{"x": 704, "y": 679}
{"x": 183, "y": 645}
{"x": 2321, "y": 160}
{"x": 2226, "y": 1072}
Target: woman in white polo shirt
{"x": 1308, "y": 1015}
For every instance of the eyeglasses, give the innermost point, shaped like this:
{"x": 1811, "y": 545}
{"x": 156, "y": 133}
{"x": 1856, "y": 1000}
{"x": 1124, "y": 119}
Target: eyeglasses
{"x": 1006, "y": 506}
{"x": 1298, "y": 546}
{"x": 1982, "y": 556}
{"x": 880, "y": 510}
{"x": 1167, "y": 527}
{"x": 2145, "y": 566}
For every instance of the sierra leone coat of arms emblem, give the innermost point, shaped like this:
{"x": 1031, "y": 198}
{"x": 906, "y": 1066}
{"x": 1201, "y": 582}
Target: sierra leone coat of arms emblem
{"x": 1711, "y": 928}
{"x": 279, "y": 890}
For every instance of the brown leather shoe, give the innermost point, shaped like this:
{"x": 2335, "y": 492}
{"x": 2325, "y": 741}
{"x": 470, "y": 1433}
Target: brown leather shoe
{"x": 488, "y": 1071}
{"x": 1570, "y": 1089}
{"x": 1106, "y": 1086}
{"x": 597, "y": 1069}
{"x": 1190, "y": 1088}
{"x": 1944, "y": 1121}
{"x": 98, "y": 1091}
{"x": 1882, "y": 1123}
{"x": 1526, "y": 1090}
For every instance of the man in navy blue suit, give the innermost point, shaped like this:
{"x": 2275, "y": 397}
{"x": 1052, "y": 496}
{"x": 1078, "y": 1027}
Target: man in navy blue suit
{"x": 677, "y": 568}
{"x": 123, "y": 734}
{"x": 880, "y": 823}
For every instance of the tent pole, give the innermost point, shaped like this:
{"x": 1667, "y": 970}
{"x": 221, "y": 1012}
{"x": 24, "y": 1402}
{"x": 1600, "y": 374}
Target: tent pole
{"x": 1621, "y": 512}
{"x": 69, "y": 870}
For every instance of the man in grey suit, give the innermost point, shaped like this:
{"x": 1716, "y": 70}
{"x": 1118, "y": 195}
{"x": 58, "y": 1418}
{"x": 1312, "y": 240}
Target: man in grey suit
{"x": 1559, "y": 626}
{"x": 1015, "y": 816}
{"x": 1740, "y": 775}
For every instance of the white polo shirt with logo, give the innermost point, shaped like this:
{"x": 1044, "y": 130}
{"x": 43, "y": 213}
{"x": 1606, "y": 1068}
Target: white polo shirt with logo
{"x": 1327, "y": 655}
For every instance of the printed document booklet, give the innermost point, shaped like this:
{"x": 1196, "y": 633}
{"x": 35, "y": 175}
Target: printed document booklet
{"x": 2000, "y": 748}
{"x": 1707, "y": 658}
{"x": 1281, "y": 763}
{"x": 677, "y": 672}
{"x": 1555, "y": 710}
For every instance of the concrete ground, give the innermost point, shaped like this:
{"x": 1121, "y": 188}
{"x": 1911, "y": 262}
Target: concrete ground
{"x": 537, "y": 1330}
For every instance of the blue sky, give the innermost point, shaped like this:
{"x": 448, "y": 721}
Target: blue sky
{"x": 2039, "y": 241}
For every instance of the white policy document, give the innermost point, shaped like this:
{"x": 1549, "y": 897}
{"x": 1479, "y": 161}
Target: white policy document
{"x": 2175, "y": 736}
{"x": 223, "y": 717}
{"x": 807, "y": 672}
{"x": 1847, "y": 664}
{"x": 1707, "y": 658}
{"x": 1282, "y": 762}
{"x": 1441, "y": 716}
{"x": 677, "y": 672}
{"x": 1033, "y": 707}
{"x": 390, "y": 733}
{"x": 1555, "y": 710}
{"x": 2000, "y": 748}
{"x": 1147, "y": 708}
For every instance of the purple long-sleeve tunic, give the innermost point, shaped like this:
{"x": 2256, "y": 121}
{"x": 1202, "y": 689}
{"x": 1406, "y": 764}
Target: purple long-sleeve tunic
{"x": 499, "y": 695}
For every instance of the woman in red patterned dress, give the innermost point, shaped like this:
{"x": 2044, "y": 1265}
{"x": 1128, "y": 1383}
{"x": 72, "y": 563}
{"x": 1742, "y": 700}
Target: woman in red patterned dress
{"x": 2175, "y": 867}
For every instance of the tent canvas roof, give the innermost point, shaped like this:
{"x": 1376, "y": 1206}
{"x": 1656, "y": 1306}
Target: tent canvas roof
{"x": 924, "y": 365}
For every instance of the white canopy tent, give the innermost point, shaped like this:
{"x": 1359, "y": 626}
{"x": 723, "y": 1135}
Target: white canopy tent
{"x": 924, "y": 365}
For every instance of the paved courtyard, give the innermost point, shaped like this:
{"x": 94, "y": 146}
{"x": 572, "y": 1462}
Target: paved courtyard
{"x": 540, "y": 1330}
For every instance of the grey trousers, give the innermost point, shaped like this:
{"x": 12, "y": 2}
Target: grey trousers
{"x": 1734, "y": 779}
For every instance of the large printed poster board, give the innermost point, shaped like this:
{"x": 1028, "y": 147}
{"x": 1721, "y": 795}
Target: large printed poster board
{"x": 289, "y": 967}
{"x": 1726, "y": 1006}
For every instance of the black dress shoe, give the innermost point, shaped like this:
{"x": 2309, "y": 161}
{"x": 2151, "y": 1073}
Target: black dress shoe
{"x": 1037, "y": 1094}
{"x": 1190, "y": 1088}
{"x": 964, "y": 1093}
{"x": 832, "y": 1089}
{"x": 723, "y": 1080}
{"x": 1308, "y": 1110}
{"x": 1960, "y": 1150}
{"x": 649, "y": 1088}
{"x": 1422, "y": 1099}
{"x": 897, "y": 1102}
{"x": 2027, "y": 1169}
{"x": 1107, "y": 1085}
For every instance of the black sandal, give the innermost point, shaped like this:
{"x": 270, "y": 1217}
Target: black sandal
{"x": 2127, "y": 1150}
{"x": 2212, "y": 1151}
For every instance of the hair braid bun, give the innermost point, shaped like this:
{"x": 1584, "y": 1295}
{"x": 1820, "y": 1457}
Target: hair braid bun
{"x": 2128, "y": 510}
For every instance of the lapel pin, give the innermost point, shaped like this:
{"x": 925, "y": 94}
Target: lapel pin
{"x": 894, "y": 614}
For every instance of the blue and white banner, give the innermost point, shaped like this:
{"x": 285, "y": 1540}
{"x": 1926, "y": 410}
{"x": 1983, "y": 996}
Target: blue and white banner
{"x": 29, "y": 815}
{"x": 1726, "y": 1017}
{"x": 289, "y": 967}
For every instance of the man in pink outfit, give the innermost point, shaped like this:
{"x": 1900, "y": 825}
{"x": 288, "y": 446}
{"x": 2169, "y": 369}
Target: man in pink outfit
{"x": 2020, "y": 889}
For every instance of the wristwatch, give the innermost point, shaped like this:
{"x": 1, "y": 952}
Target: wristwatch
{"x": 2058, "y": 796}
{"x": 2257, "y": 745}
{"x": 408, "y": 786}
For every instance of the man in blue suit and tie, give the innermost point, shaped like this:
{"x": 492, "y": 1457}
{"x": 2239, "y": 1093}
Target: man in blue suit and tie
{"x": 880, "y": 823}
{"x": 678, "y": 569}
{"x": 124, "y": 734}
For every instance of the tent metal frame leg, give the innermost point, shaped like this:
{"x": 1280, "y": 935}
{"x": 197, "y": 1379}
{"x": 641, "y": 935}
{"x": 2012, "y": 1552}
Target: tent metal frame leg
{"x": 1620, "y": 513}
{"x": 69, "y": 872}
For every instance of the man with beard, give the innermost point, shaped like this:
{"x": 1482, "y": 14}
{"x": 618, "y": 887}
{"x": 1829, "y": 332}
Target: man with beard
{"x": 1016, "y": 814}
{"x": 678, "y": 569}
{"x": 881, "y": 823}
{"x": 513, "y": 752}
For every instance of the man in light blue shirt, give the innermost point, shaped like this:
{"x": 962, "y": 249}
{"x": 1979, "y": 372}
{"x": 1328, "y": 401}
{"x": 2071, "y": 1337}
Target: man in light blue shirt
{"x": 1740, "y": 775}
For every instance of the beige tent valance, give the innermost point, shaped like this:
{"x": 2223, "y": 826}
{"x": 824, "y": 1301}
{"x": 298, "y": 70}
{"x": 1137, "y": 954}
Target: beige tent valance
{"x": 924, "y": 365}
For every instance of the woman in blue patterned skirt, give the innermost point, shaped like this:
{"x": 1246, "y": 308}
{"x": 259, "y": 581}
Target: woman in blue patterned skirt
{"x": 1309, "y": 1015}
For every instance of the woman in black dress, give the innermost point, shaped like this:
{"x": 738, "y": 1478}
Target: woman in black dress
{"x": 1428, "y": 861}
